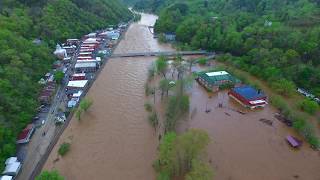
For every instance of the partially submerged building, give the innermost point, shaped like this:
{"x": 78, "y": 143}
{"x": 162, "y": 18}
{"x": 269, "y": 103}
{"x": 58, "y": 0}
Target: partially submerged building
{"x": 248, "y": 97}
{"x": 213, "y": 81}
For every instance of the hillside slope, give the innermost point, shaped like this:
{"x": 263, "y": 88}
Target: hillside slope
{"x": 22, "y": 63}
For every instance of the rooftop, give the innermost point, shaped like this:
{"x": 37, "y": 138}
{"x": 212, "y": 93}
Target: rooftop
{"x": 85, "y": 65}
{"x": 217, "y": 73}
{"x": 249, "y": 92}
{"x": 217, "y": 77}
{"x": 77, "y": 84}
{"x": 79, "y": 75}
{"x": 88, "y": 61}
{"x": 85, "y": 57}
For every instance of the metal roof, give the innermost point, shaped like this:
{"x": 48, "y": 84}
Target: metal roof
{"x": 217, "y": 73}
{"x": 216, "y": 78}
{"x": 249, "y": 93}
{"x": 79, "y": 83}
{"x": 85, "y": 65}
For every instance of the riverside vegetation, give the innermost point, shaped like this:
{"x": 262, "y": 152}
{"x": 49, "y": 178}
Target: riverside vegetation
{"x": 23, "y": 63}
{"x": 84, "y": 105}
{"x": 50, "y": 175}
{"x": 179, "y": 155}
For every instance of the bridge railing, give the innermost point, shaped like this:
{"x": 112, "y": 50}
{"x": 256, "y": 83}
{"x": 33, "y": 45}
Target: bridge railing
{"x": 163, "y": 53}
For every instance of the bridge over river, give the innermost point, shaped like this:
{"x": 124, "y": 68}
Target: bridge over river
{"x": 162, "y": 53}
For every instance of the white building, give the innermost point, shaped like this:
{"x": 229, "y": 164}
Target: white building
{"x": 88, "y": 67}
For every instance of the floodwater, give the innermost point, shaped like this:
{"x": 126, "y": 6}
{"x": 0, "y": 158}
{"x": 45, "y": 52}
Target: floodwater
{"x": 245, "y": 148}
{"x": 114, "y": 139}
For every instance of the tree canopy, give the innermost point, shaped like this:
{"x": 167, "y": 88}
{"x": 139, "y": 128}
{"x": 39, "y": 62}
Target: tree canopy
{"x": 50, "y": 175}
{"x": 272, "y": 39}
{"x": 23, "y": 62}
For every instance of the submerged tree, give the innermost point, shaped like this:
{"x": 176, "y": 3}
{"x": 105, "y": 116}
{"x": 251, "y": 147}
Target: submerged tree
{"x": 164, "y": 86}
{"x": 84, "y": 105}
{"x": 50, "y": 175}
{"x": 162, "y": 66}
{"x": 200, "y": 171}
{"x": 179, "y": 155}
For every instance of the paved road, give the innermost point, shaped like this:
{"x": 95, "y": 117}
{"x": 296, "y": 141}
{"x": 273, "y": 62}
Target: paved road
{"x": 41, "y": 139}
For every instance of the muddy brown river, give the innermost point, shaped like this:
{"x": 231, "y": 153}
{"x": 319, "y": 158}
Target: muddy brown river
{"x": 114, "y": 140}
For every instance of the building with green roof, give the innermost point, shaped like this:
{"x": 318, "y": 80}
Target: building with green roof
{"x": 215, "y": 80}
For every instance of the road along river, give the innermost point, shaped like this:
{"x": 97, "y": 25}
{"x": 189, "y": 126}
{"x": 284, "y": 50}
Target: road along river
{"x": 114, "y": 139}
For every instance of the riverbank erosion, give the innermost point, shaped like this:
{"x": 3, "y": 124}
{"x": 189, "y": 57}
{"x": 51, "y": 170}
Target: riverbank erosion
{"x": 114, "y": 140}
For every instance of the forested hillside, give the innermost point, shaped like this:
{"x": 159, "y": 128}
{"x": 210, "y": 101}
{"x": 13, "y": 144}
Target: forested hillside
{"x": 23, "y": 63}
{"x": 271, "y": 39}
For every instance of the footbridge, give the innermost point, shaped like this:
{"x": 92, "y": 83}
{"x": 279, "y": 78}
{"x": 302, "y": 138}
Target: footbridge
{"x": 161, "y": 53}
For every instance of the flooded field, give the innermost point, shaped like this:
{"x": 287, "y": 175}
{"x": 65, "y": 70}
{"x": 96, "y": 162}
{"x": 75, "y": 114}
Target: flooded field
{"x": 243, "y": 146}
{"x": 115, "y": 141}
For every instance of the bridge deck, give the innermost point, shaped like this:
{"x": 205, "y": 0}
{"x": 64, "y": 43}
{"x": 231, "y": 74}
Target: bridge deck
{"x": 165, "y": 53}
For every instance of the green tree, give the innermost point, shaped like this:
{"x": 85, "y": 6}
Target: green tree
{"x": 64, "y": 148}
{"x": 59, "y": 75}
{"x": 200, "y": 171}
{"x": 162, "y": 66}
{"x": 153, "y": 119}
{"x": 85, "y": 104}
{"x": 164, "y": 86}
{"x": 178, "y": 153}
{"x": 309, "y": 106}
{"x": 284, "y": 87}
{"x": 189, "y": 146}
{"x": 79, "y": 113}
{"x": 50, "y": 175}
